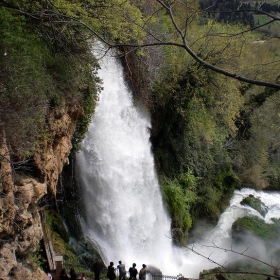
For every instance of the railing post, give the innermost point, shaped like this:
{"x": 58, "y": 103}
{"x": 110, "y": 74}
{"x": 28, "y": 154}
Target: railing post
{"x": 59, "y": 265}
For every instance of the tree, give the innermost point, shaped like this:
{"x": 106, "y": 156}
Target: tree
{"x": 179, "y": 17}
{"x": 179, "y": 29}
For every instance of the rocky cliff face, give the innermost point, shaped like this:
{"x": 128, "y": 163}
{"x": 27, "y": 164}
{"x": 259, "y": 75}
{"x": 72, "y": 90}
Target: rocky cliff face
{"x": 20, "y": 222}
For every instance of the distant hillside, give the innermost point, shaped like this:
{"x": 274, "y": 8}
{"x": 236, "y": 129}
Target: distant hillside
{"x": 245, "y": 13}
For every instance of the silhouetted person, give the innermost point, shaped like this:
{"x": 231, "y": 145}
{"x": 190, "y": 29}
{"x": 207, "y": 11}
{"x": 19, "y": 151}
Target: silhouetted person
{"x": 111, "y": 272}
{"x": 63, "y": 275}
{"x": 143, "y": 272}
{"x": 133, "y": 272}
{"x": 73, "y": 274}
{"x": 97, "y": 266}
{"x": 122, "y": 271}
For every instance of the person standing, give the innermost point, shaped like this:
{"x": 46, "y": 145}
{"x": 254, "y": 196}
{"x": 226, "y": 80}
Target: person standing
{"x": 122, "y": 271}
{"x": 133, "y": 272}
{"x": 63, "y": 275}
{"x": 143, "y": 272}
{"x": 73, "y": 274}
{"x": 97, "y": 266}
{"x": 111, "y": 275}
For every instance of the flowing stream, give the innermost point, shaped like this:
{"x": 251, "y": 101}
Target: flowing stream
{"x": 124, "y": 211}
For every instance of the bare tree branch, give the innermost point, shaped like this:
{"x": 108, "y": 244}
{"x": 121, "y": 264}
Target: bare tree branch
{"x": 227, "y": 271}
{"x": 239, "y": 253}
{"x": 184, "y": 44}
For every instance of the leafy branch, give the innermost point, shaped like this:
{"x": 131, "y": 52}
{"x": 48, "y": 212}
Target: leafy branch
{"x": 59, "y": 18}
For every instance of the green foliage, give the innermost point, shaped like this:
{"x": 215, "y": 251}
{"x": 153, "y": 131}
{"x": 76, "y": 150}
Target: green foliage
{"x": 196, "y": 112}
{"x": 25, "y": 82}
{"x": 46, "y": 75}
{"x": 268, "y": 232}
{"x": 36, "y": 258}
{"x": 188, "y": 181}
{"x": 209, "y": 203}
{"x": 174, "y": 196}
{"x": 56, "y": 64}
{"x": 60, "y": 237}
{"x": 55, "y": 224}
{"x": 214, "y": 194}
{"x": 270, "y": 29}
{"x": 110, "y": 18}
{"x": 180, "y": 195}
{"x": 257, "y": 155}
{"x": 82, "y": 257}
{"x": 89, "y": 102}
{"x": 227, "y": 181}
{"x": 195, "y": 121}
{"x": 220, "y": 273}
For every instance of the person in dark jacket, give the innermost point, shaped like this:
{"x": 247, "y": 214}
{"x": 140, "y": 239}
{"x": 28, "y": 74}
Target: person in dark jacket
{"x": 63, "y": 275}
{"x": 73, "y": 274}
{"x": 111, "y": 272}
{"x": 133, "y": 272}
{"x": 97, "y": 266}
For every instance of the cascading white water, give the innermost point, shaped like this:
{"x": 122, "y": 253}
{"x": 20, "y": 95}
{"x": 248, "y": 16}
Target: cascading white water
{"x": 220, "y": 236}
{"x": 124, "y": 212}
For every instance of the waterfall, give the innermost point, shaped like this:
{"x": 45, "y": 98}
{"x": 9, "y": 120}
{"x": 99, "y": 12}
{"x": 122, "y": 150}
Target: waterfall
{"x": 124, "y": 211}
{"x": 125, "y": 214}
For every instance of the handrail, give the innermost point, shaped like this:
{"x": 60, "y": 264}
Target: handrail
{"x": 47, "y": 242}
{"x": 168, "y": 277}
{"x": 79, "y": 268}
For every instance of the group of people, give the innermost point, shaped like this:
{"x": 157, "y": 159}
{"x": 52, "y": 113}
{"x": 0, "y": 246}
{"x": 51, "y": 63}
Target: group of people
{"x": 111, "y": 273}
{"x": 133, "y": 272}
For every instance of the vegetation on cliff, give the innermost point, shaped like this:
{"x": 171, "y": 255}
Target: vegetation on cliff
{"x": 48, "y": 81}
{"x": 46, "y": 76}
{"x": 205, "y": 123}
{"x": 56, "y": 65}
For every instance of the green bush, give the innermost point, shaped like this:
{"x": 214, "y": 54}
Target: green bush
{"x": 268, "y": 232}
{"x": 179, "y": 194}
{"x": 46, "y": 76}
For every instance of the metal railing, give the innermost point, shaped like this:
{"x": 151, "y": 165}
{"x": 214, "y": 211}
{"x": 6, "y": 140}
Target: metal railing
{"x": 103, "y": 274}
{"x": 167, "y": 277}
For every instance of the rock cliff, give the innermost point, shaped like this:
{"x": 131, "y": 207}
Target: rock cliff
{"x": 21, "y": 228}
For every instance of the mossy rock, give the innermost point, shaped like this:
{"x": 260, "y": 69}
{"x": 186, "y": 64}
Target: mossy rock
{"x": 214, "y": 274}
{"x": 219, "y": 273}
{"x": 255, "y": 225}
{"x": 255, "y": 203}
